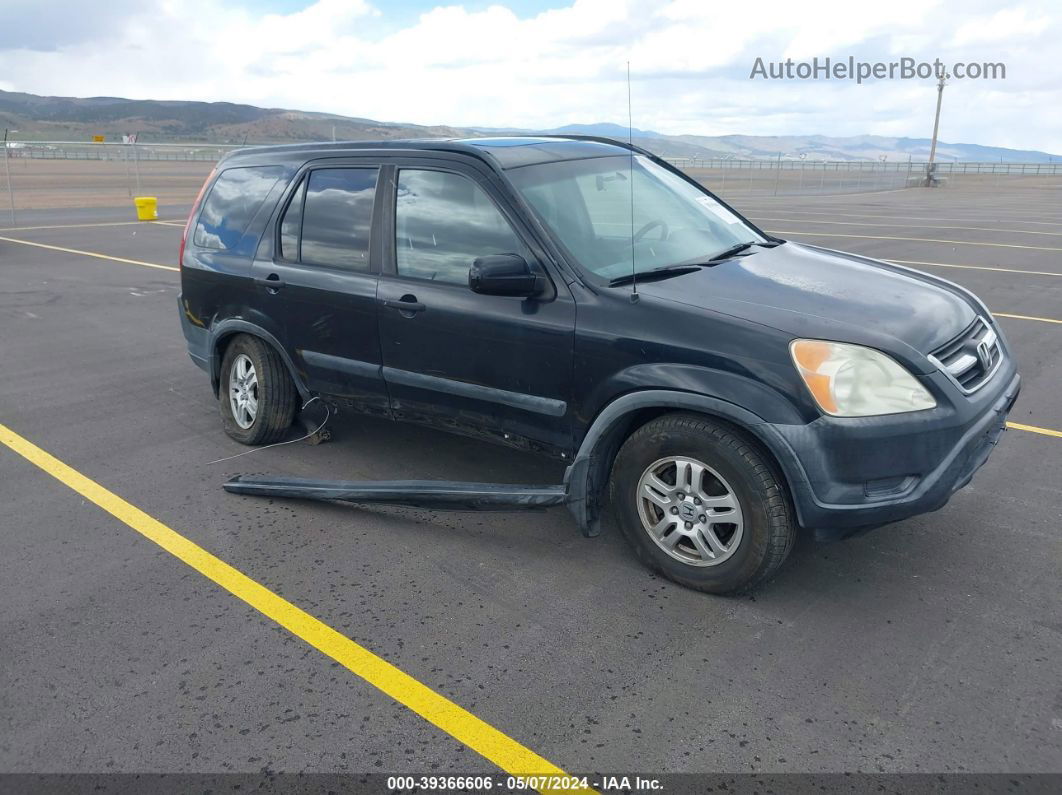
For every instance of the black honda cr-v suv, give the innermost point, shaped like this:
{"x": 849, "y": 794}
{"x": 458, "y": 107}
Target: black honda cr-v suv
{"x": 720, "y": 387}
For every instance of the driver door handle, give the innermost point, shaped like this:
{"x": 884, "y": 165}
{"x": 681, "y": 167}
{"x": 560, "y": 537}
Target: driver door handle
{"x": 408, "y": 305}
{"x": 272, "y": 282}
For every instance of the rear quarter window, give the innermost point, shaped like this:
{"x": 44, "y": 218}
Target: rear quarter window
{"x": 231, "y": 204}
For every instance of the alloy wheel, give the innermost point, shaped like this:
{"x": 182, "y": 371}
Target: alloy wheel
{"x": 690, "y": 511}
{"x": 243, "y": 391}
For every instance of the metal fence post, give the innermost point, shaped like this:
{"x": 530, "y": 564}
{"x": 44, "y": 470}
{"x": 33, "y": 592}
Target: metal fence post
{"x": 10, "y": 189}
{"x": 128, "y": 174}
{"x": 136, "y": 165}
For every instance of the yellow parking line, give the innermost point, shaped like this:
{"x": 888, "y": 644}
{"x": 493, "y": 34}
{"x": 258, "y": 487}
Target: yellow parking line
{"x": 1027, "y": 317}
{"x": 897, "y": 261}
{"x": 178, "y": 224}
{"x": 91, "y": 254}
{"x": 972, "y": 267}
{"x": 910, "y": 226}
{"x": 918, "y": 239}
{"x": 83, "y": 226}
{"x": 886, "y": 216}
{"x": 481, "y": 737}
{"x": 755, "y": 196}
{"x": 1045, "y": 431}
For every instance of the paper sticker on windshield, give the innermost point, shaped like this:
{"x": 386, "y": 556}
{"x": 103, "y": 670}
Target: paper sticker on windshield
{"x": 719, "y": 210}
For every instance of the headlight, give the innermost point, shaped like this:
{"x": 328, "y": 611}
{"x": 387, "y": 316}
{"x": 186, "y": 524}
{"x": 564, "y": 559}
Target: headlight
{"x": 853, "y": 381}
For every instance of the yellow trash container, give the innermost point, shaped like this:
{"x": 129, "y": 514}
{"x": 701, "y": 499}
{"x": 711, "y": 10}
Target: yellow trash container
{"x": 147, "y": 208}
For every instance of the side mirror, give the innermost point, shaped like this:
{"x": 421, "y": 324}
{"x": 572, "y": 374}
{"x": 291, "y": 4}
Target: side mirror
{"x": 504, "y": 274}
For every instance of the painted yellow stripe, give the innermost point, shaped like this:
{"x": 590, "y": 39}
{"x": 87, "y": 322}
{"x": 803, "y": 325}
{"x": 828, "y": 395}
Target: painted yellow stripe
{"x": 481, "y": 737}
{"x": 911, "y": 226}
{"x": 754, "y": 195}
{"x": 917, "y": 239}
{"x": 91, "y": 254}
{"x": 1027, "y": 317}
{"x": 972, "y": 267}
{"x": 86, "y": 225}
{"x": 883, "y": 216}
{"x": 897, "y": 261}
{"x": 1034, "y": 429}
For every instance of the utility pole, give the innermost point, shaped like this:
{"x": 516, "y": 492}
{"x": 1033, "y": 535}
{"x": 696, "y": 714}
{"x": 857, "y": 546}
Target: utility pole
{"x": 7, "y": 168}
{"x": 936, "y": 128}
{"x": 136, "y": 164}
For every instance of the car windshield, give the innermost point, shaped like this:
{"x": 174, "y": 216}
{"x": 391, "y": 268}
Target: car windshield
{"x": 587, "y": 205}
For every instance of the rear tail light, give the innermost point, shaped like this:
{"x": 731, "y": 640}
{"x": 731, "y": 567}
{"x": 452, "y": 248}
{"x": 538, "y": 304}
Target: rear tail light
{"x": 191, "y": 215}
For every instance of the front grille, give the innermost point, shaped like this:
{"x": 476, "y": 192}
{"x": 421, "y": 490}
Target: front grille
{"x": 972, "y": 358}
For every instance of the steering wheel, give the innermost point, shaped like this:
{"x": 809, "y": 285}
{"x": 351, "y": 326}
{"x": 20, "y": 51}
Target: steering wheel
{"x": 664, "y": 231}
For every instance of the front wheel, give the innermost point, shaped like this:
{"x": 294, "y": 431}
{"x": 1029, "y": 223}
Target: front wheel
{"x": 699, "y": 503}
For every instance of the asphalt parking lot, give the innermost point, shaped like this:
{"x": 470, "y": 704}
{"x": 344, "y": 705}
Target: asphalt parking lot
{"x": 932, "y": 645}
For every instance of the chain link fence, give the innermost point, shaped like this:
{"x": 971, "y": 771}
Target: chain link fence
{"x": 779, "y": 177}
{"x": 117, "y": 152}
{"x": 44, "y": 175}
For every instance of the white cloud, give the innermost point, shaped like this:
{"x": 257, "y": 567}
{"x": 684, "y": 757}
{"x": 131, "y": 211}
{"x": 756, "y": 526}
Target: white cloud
{"x": 1010, "y": 24}
{"x": 690, "y": 62}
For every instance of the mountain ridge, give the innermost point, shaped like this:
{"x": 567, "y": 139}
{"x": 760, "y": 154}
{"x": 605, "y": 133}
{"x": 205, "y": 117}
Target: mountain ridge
{"x": 39, "y": 117}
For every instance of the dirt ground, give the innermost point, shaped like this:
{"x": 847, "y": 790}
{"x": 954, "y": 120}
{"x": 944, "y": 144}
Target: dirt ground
{"x": 61, "y": 184}
{"x": 55, "y": 184}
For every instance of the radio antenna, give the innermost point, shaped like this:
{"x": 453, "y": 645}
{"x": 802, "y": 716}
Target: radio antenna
{"x": 630, "y": 149}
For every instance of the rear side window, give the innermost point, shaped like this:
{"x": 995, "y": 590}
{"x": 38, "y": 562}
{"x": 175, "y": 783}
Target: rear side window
{"x": 329, "y": 219}
{"x": 231, "y": 204}
{"x": 291, "y": 226}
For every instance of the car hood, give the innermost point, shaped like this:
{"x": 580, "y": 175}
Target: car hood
{"x": 813, "y": 292}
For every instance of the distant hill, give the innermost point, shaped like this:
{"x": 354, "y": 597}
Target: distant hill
{"x": 860, "y": 147}
{"x": 75, "y": 119}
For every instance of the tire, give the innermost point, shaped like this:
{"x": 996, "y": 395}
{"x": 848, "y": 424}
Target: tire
{"x": 740, "y": 503}
{"x": 273, "y": 392}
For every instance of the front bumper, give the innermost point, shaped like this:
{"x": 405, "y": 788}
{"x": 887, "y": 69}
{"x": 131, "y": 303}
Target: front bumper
{"x": 847, "y": 475}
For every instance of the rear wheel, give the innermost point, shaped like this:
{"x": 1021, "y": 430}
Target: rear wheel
{"x": 257, "y": 397}
{"x": 700, "y": 504}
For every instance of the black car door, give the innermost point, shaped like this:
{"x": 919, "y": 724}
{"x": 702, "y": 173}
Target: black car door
{"x": 321, "y": 278}
{"x": 479, "y": 364}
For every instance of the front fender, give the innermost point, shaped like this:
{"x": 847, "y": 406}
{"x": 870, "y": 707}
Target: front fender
{"x": 585, "y": 479}
{"x": 754, "y": 385}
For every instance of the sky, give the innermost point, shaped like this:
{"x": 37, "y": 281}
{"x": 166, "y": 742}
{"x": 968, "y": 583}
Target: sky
{"x": 541, "y": 64}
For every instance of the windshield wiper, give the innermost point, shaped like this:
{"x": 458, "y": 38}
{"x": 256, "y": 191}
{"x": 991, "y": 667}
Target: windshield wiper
{"x": 665, "y": 272}
{"x": 733, "y": 251}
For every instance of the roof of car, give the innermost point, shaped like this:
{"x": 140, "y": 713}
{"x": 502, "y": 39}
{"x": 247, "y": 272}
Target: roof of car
{"x": 506, "y": 152}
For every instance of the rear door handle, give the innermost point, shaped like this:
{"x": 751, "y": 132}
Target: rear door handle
{"x": 408, "y": 305}
{"x": 272, "y": 282}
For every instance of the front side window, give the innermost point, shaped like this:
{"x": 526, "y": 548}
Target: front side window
{"x": 234, "y": 199}
{"x": 329, "y": 218}
{"x": 443, "y": 222}
{"x": 588, "y": 206}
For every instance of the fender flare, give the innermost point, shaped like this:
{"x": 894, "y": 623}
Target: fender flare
{"x": 227, "y": 328}
{"x": 589, "y": 471}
